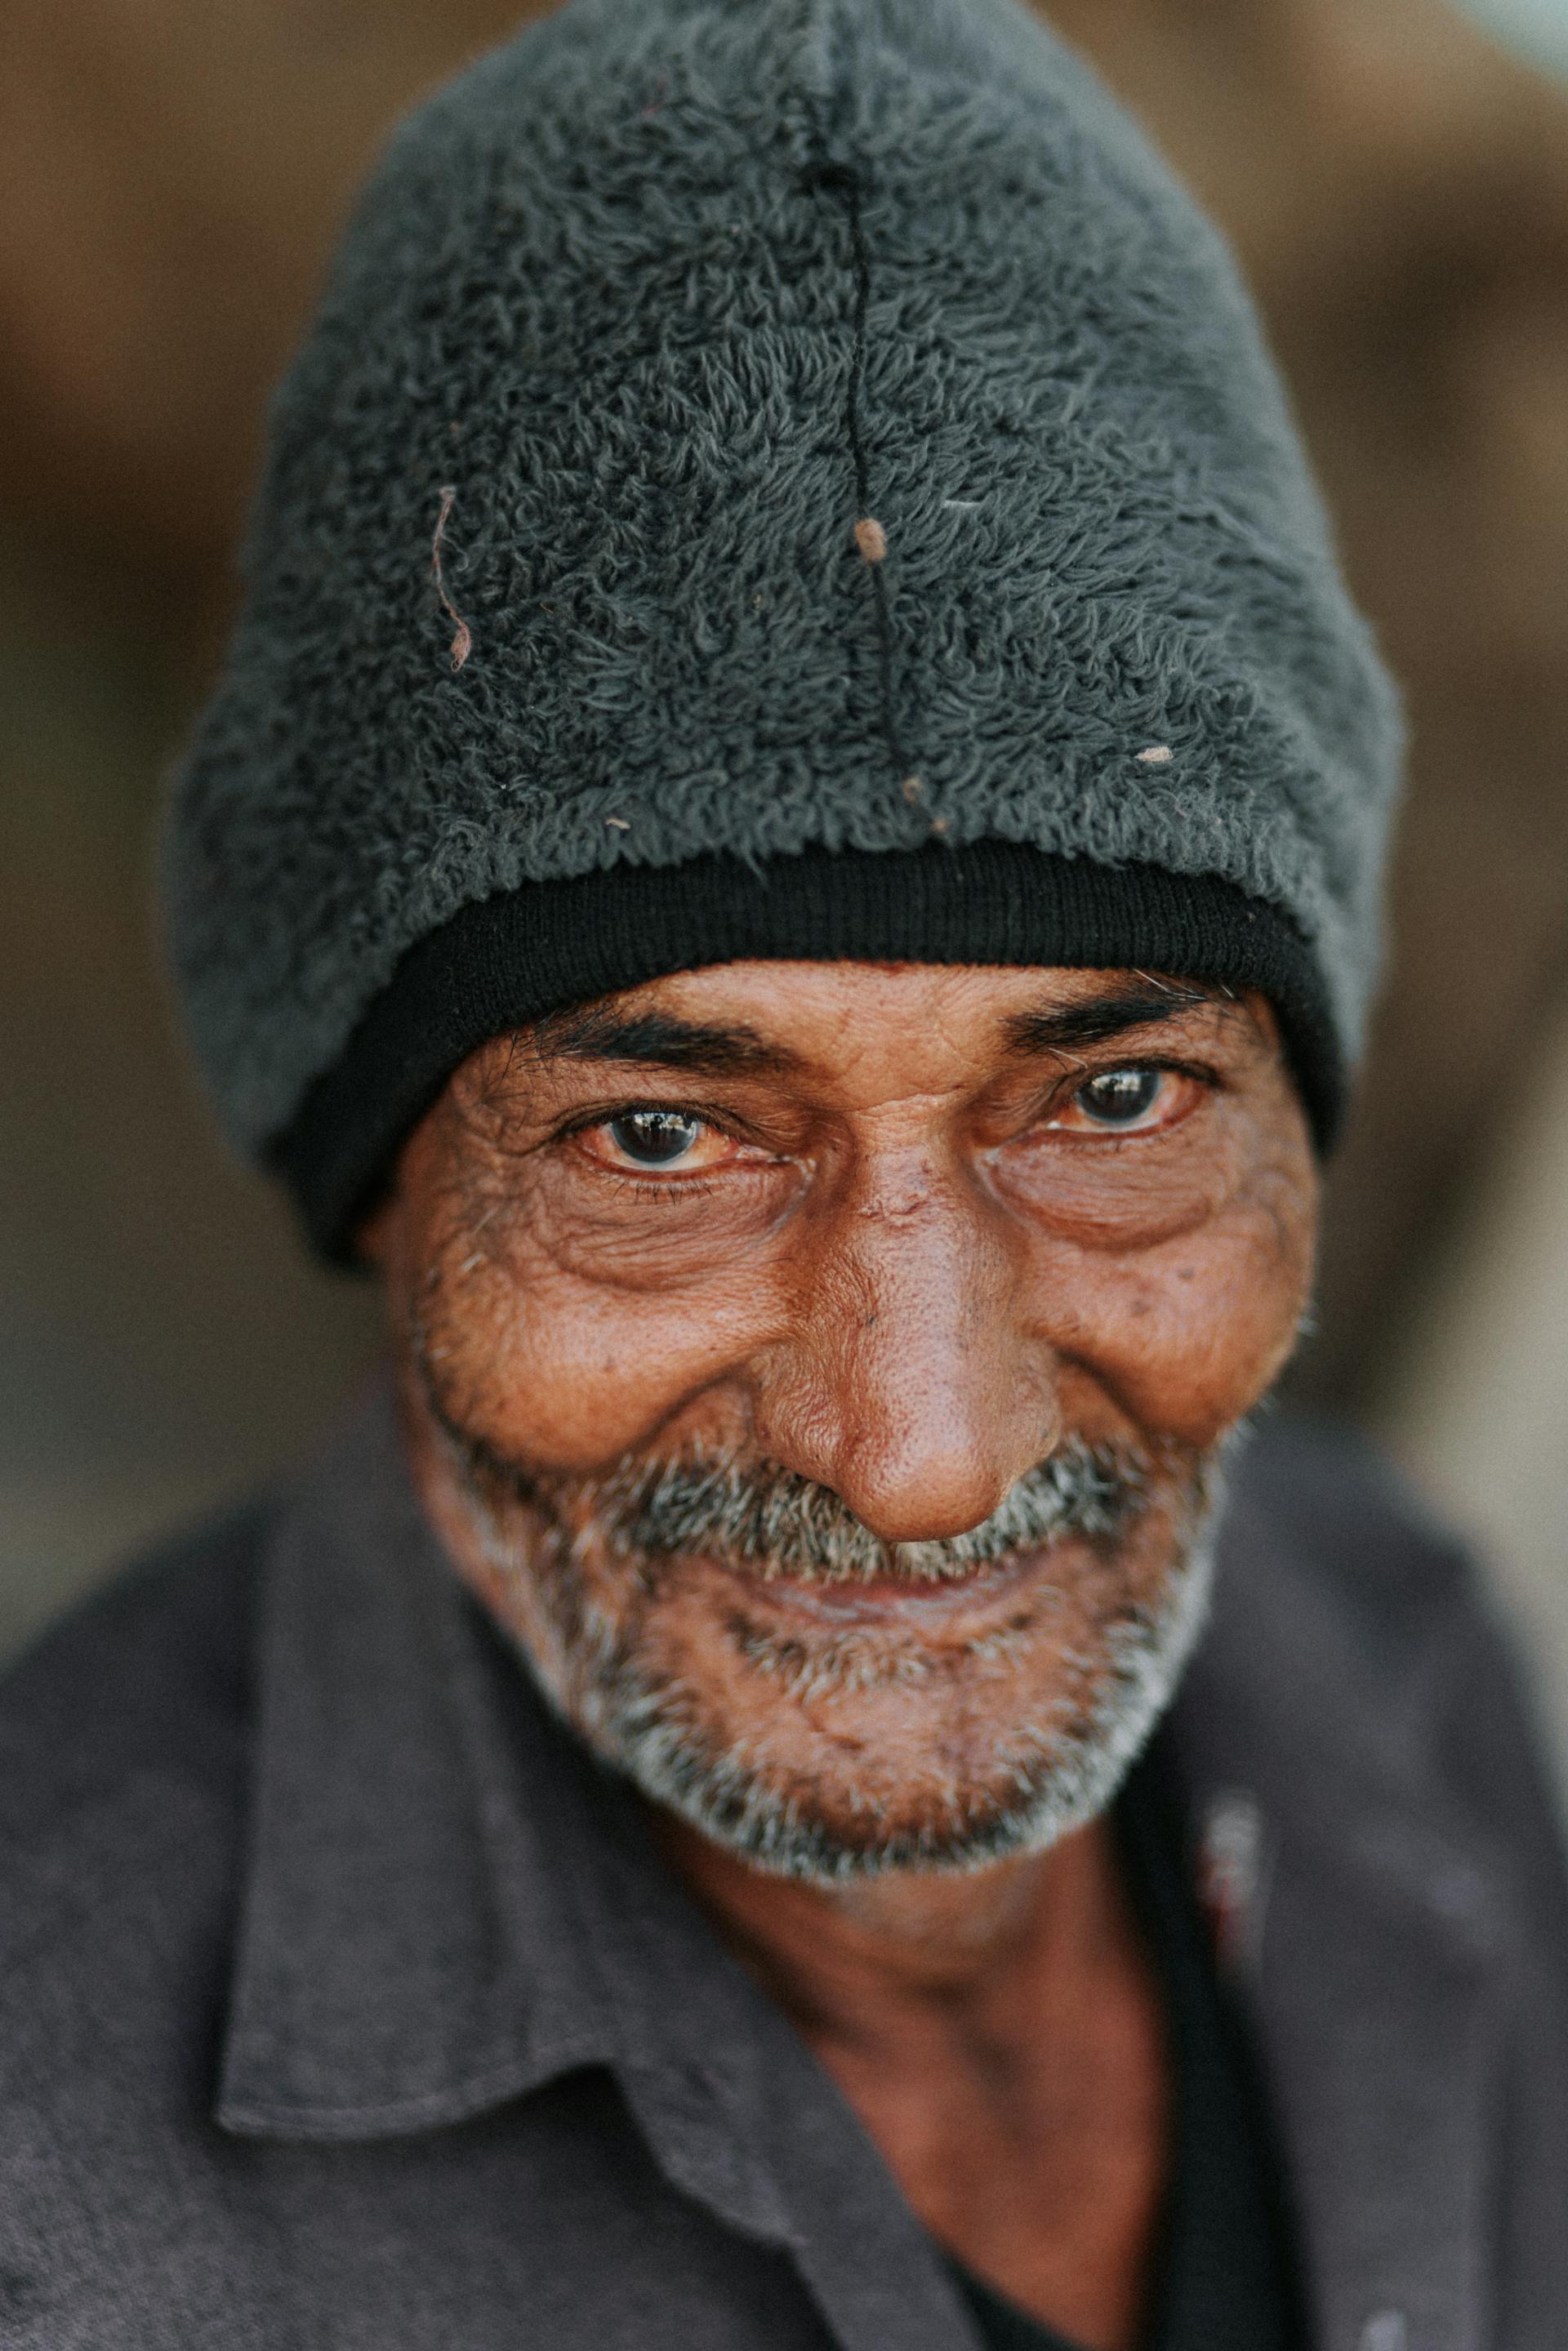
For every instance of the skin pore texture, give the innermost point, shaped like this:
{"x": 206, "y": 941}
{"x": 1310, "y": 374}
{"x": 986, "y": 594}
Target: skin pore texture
{"x": 822, "y": 1371}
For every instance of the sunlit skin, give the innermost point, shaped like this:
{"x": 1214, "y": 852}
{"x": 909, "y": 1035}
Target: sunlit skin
{"x": 912, "y": 1226}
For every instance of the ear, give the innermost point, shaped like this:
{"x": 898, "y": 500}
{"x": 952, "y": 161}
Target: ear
{"x": 375, "y": 1238}
{"x": 1265, "y": 1018}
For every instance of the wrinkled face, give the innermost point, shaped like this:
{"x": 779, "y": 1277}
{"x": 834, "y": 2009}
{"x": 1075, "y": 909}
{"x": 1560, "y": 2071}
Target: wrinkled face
{"x": 821, "y": 1370}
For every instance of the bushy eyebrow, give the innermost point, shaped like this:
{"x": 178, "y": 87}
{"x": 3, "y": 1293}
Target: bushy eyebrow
{"x": 599, "y": 1033}
{"x": 1096, "y": 1018}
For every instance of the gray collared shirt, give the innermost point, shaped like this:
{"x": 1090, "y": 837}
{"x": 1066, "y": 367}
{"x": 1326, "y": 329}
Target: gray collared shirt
{"x": 346, "y": 2004}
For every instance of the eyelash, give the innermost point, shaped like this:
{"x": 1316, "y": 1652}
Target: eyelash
{"x": 722, "y": 1122}
{"x": 1201, "y": 1073}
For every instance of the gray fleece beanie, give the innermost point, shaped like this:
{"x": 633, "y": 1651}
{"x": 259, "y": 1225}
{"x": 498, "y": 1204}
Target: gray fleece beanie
{"x": 769, "y": 477}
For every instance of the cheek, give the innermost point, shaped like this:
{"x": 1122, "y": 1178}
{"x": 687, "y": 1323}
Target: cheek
{"x": 564, "y": 1370}
{"x": 1130, "y": 1198}
{"x": 1190, "y": 1334}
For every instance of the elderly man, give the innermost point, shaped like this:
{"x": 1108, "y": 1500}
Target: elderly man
{"x": 788, "y": 851}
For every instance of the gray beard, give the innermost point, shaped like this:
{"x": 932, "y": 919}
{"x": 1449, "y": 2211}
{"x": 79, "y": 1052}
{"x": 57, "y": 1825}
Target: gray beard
{"x": 649, "y": 1726}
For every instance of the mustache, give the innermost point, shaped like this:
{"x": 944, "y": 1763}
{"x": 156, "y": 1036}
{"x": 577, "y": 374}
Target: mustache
{"x": 772, "y": 1522}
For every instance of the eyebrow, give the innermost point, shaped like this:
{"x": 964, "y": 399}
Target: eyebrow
{"x": 598, "y": 1033}
{"x": 601, "y": 1034}
{"x": 1097, "y": 1017}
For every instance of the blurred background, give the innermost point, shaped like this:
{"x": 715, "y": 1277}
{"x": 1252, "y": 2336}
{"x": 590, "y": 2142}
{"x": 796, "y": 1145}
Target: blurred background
{"x": 1395, "y": 176}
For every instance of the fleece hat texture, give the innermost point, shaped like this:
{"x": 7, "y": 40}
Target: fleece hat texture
{"x": 781, "y": 477}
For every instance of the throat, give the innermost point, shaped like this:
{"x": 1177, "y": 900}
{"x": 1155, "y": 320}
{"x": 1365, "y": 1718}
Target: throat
{"x": 1001, "y": 2037}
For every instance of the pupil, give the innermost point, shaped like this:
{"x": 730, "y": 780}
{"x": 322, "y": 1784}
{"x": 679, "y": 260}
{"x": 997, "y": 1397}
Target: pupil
{"x": 653, "y": 1137}
{"x": 1120, "y": 1095}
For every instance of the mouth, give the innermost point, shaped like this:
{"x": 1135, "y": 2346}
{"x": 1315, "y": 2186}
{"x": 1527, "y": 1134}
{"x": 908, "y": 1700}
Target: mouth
{"x": 911, "y": 1601}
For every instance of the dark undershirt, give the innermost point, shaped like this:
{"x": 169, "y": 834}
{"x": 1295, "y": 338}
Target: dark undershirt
{"x": 1224, "y": 2276}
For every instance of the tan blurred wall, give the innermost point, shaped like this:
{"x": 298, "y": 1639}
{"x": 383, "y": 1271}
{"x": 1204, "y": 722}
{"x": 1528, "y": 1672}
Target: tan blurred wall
{"x": 161, "y": 1336}
{"x": 1475, "y": 1393}
{"x": 171, "y": 179}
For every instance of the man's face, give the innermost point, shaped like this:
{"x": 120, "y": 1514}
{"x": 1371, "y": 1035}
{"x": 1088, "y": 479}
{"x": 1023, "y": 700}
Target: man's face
{"x": 821, "y": 1369}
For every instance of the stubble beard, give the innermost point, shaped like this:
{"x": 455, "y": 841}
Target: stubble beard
{"x": 581, "y": 1572}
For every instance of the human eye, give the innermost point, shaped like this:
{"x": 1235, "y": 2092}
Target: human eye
{"x": 1137, "y": 1098}
{"x": 656, "y": 1139}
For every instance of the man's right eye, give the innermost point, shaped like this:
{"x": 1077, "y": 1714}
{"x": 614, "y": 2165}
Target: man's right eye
{"x": 654, "y": 1138}
{"x": 657, "y": 1139}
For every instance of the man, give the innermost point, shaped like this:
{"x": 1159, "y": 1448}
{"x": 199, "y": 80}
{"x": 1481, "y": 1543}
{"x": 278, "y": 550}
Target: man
{"x": 789, "y": 852}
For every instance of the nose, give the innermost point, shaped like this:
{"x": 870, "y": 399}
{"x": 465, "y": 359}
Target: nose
{"x": 910, "y": 1382}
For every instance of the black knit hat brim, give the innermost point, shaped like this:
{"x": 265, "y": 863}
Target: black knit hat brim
{"x": 507, "y": 961}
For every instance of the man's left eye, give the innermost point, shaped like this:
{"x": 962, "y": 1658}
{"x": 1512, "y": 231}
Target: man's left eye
{"x": 1120, "y": 1102}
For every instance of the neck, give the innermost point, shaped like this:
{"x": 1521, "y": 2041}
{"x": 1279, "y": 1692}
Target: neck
{"x": 874, "y": 1956}
{"x": 1002, "y": 2038}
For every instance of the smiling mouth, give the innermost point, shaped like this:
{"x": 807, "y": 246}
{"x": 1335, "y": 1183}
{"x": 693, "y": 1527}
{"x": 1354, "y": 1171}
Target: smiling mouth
{"x": 822, "y": 1640}
{"x": 894, "y": 1597}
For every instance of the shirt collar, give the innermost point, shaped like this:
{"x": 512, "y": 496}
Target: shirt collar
{"x": 447, "y": 1903}
{"x": 410, "y": 1951}
{"x": 1376, "y": 1966}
